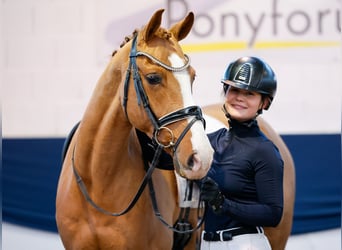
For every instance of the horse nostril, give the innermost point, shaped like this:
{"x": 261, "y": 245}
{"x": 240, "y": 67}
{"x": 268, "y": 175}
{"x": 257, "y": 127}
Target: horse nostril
{"x": 191, "y": 161}
{"x": 194, "y": 162}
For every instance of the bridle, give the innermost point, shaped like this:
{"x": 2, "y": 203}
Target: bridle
{"x": 158, "y": 124}
{"x": 161, "y": 123}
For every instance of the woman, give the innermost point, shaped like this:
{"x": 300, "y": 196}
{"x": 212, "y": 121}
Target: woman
{"x": 243, "y": 189}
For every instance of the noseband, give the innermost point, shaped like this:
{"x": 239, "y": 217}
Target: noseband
{"x": 161, "y": 123}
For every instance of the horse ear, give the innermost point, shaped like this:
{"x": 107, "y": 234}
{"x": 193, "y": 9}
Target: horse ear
{"x": 152, "y": 25}
{"x": 181, "y": 29}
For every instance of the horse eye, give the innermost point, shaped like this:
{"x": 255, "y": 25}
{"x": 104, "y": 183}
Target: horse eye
{"x": 153, "y": 78}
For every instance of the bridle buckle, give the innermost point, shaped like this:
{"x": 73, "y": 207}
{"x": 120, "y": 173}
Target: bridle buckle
{"x": 157, "y": 133}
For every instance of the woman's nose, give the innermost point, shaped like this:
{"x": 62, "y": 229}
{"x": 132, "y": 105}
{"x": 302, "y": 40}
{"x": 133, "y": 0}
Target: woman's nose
{"x": 240, "y": 95}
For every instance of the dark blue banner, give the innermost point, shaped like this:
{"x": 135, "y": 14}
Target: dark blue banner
{"x": 31, "y": 168}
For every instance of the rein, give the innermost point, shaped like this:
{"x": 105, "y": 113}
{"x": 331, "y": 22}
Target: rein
{"x": 146, "y": 179}
{"x": 184, "y": 215}
{"x": 159, "y": 125}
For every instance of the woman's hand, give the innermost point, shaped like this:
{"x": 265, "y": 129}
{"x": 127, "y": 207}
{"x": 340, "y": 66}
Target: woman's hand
{"x": 210, "y": 192}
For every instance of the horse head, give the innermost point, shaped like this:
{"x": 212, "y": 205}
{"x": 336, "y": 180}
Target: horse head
{"x": 157, "y": 95}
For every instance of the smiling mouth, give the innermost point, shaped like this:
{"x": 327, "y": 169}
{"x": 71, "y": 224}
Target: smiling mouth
{"x": 237, "y": 106}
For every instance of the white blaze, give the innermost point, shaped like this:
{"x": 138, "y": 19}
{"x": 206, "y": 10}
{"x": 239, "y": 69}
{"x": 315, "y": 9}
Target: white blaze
{"x": 199, "y": 138}
{"x": 184, "y": 80}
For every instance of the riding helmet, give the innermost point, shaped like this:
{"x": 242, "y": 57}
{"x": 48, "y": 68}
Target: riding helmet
{"x": 253, "y": 74}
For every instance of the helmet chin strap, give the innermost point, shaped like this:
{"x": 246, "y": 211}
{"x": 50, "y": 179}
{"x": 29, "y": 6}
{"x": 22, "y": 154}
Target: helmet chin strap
{"x": 225, "y": 111}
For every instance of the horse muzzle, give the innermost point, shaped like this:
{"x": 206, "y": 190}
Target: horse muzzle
{"x": 193, "y": 162}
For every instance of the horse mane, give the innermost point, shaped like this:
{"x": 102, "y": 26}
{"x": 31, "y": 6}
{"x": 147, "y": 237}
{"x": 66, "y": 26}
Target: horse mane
{"x": 161, "y": 32}
{"x": 126, "y": 40}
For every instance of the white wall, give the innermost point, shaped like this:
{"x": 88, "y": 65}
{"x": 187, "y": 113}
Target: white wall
{"x": 49, "y": 65}
{"x": 53, "y": 52}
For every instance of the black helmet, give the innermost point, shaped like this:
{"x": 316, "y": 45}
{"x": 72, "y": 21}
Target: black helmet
{"x": 252, "y": 74}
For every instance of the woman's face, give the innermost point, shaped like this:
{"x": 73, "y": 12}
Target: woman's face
{"x": 242, "y": 104}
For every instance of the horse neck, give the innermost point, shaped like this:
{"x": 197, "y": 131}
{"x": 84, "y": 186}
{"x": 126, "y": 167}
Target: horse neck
{"x": 105, "y": 135}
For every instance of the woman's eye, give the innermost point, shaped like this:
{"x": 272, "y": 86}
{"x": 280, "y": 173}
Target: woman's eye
{"x": 153, "y": 78}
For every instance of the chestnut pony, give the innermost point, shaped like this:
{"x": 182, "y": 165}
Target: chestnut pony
{"x": 101, "y": 201}
{"x": 277, "y": 236}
